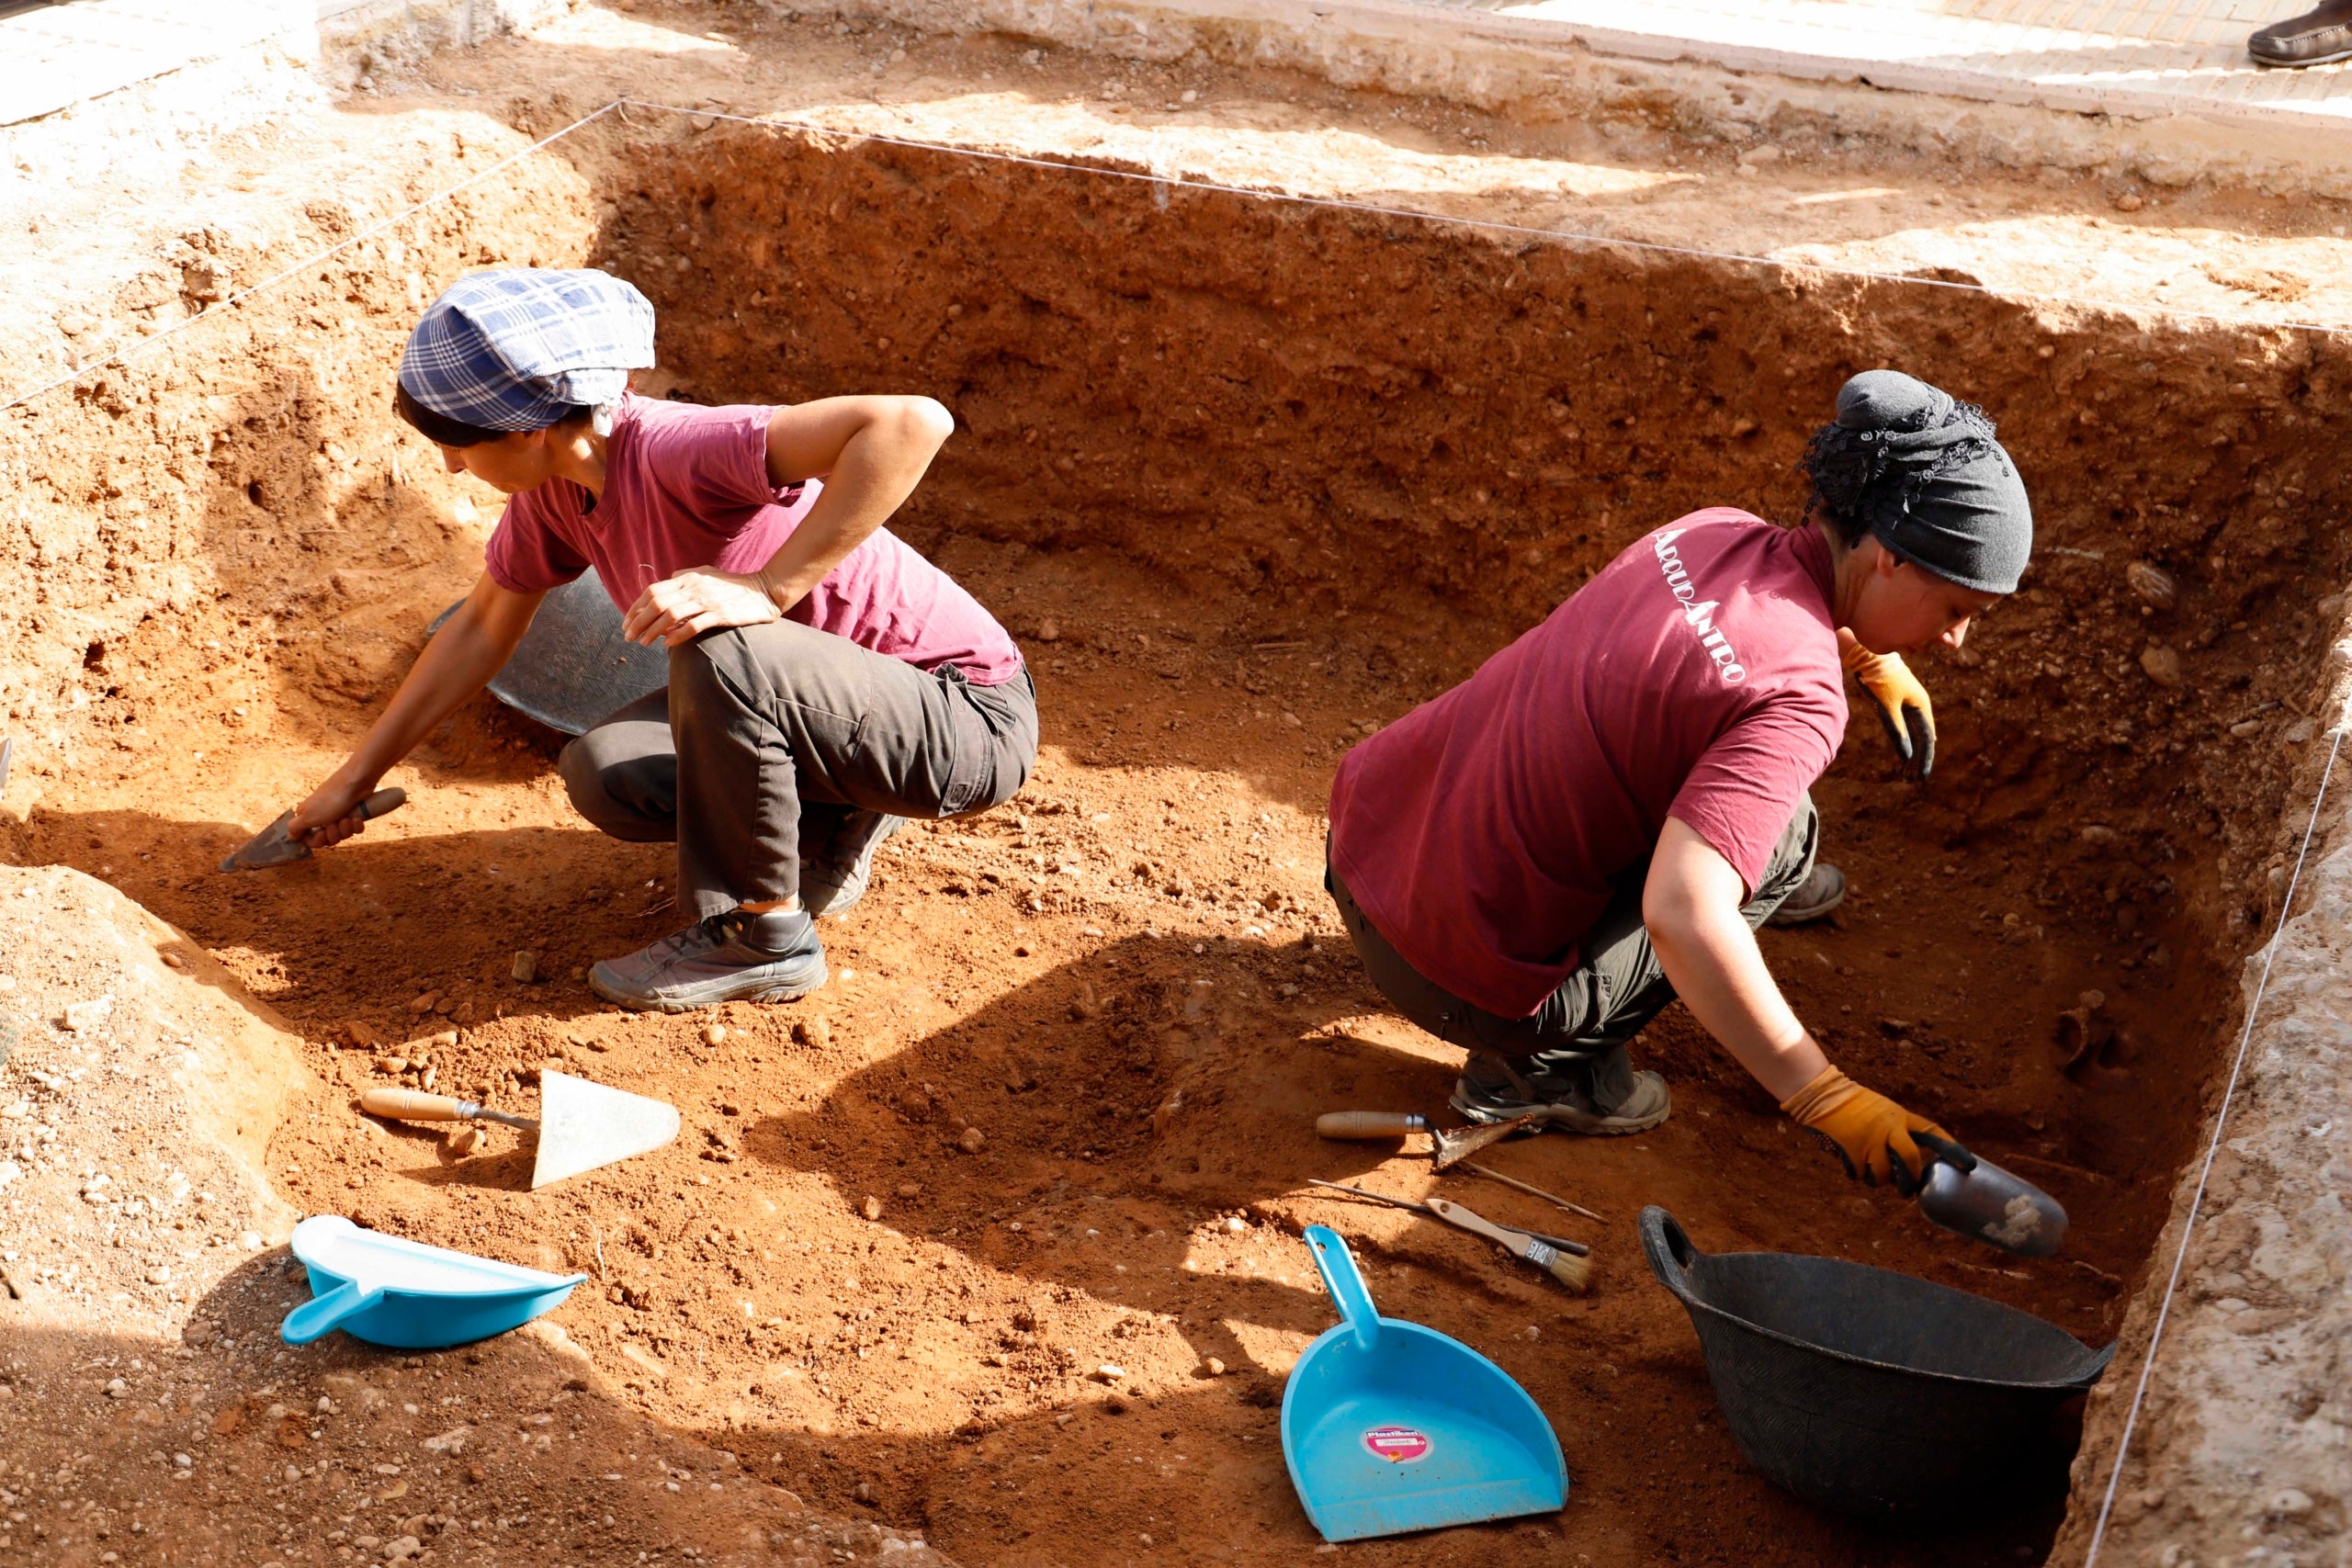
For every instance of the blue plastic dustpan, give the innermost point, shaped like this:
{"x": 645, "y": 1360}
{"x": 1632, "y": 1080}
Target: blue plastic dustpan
{"x": 407, "y": 1295}
{"x": 1389, "y": 1427}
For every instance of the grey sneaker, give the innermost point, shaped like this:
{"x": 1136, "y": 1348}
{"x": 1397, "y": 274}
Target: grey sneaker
{"x": 1822, "y": 889}
{"x": 733, "y": 957}
{"x": 1489, "y": 1090}
{"x": 834, "y": 879}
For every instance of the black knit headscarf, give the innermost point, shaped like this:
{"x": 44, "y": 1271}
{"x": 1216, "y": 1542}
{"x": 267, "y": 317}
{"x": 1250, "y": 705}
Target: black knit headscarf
{"x": 1923, "y": 475}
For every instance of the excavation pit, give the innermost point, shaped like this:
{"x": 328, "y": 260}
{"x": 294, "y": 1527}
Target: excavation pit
{"x": 1248, "y": 478}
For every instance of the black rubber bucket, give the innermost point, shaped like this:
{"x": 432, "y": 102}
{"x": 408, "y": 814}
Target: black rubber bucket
{"x": 1867, "y": 1390}
{"x": 574, "y": 667}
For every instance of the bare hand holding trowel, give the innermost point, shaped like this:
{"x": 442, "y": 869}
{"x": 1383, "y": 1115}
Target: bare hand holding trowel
{"x": 471, "y": 648}
{"x": 283, "y": 841}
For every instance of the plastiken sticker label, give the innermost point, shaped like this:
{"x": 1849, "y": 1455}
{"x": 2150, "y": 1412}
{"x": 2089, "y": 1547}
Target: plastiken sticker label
{"x": 1398, "y": 1445}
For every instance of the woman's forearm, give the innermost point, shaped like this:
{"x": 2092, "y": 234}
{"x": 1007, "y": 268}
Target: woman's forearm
{"x": 472, "y": 646}
{"x": 1691, "y": 908}
{"x": 872, "y": 453}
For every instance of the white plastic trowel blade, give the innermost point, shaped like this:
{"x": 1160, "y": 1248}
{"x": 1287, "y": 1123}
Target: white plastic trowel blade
{"x": 584, "y": 1126}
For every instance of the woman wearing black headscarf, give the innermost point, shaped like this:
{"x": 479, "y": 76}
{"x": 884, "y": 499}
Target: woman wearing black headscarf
{"x": 1535, "y": 863}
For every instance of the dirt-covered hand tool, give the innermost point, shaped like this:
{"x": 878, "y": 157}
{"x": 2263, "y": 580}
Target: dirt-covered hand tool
{"x": 581, "y": 1125}
{"x": 271, "y": 846}
{"x": 1389, "y": 1427}
{"x": 1993, "y": 1205}
{"x": 1556, "y": 1256}
{"x": 1448, "y": 1144}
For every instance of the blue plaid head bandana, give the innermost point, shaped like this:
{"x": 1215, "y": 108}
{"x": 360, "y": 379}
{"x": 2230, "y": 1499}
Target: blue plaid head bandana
{"x": 518, "y": 349}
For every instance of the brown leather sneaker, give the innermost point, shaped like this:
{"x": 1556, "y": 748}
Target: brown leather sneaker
{"x": 2316, "y": 37}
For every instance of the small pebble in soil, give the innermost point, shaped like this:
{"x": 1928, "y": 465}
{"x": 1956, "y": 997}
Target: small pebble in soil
{"x": 1236, "y": 1223}
{"x": 910, "y": 1190}
{"x": 526, "y": 969}
{"x": 1216, "y": 1368}
{"x": 713, "y": 1034}
{"x": 871, "y": 1208}
{"x": 174, "y": 960}
{"x": 972, "y": 1141}
{"x": 2154, "y": 585}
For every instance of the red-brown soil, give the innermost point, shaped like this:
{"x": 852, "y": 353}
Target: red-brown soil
{"x": 1129, "y": 981}
{"x": 1245, "y": 479}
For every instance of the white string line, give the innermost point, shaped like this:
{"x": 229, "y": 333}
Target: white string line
{"x": 1339, "y": 204}
{"x": 231, "y": 303}
{"x": 1572, "y": 236}
{"x": 2212, "y": 1148}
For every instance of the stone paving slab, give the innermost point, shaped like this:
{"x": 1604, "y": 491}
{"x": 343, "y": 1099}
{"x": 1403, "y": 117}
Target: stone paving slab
{"x": 54, "y": 56}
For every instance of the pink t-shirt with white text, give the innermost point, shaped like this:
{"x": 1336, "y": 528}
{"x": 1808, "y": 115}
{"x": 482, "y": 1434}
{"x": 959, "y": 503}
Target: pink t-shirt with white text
{"x": 1696, "y": 676}
{"x": 688, "y": 486}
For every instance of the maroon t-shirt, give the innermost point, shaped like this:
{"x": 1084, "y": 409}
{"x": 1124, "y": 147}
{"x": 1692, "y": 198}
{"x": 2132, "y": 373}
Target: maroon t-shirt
{"x": 1696, "y": 676}
{"x": 688, "y": 486}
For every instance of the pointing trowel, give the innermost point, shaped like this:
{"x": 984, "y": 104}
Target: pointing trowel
{"x": 581, "y": 1125}
{"x": 1447, "y": 1145}
{"x": 272, "y": 847}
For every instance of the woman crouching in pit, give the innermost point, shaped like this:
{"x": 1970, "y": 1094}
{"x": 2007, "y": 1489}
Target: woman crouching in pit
{"x": 826, "y": 681}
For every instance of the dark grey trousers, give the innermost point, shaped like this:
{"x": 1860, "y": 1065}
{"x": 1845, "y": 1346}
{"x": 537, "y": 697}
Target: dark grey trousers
{"x": 1617, "y": 987}
{"x": 769, "y": 737}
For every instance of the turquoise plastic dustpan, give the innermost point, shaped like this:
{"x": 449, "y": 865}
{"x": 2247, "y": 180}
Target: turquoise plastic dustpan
{"x": 1389, "y": 1427}
{"x": 405, "y": 1294}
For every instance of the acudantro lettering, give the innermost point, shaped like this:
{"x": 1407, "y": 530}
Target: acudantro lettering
{"x": 1698, "y": 614}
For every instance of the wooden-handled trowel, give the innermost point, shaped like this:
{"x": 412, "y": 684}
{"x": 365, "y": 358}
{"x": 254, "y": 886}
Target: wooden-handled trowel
{"x": 581, "y": 1125}
{"x": 272, "y": 847}
{"x": 1447, "y": 1145}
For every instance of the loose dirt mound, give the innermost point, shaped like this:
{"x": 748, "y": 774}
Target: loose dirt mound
{"x": 147, "y": 1411}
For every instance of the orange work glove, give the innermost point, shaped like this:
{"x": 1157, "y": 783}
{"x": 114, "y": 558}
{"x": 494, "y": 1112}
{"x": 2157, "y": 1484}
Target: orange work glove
{"x": 1901, "y": 701}
{"x": 1878, "y": 1139}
